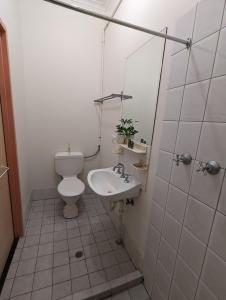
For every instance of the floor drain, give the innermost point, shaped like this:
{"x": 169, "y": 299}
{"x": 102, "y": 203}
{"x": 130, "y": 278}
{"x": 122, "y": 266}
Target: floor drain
{"x": 78, "y": 254}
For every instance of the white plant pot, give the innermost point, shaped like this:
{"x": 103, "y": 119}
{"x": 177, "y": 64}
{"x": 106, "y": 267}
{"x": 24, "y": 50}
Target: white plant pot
{"x": 120, "y": 139}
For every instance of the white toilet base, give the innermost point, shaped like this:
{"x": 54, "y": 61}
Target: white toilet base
{"x": 70, "y": 211}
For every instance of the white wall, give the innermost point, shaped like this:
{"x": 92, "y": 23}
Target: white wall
{"x": 62, "y": 61}
{"x": 119, "y": 43}
{"x": 9, "y": 14}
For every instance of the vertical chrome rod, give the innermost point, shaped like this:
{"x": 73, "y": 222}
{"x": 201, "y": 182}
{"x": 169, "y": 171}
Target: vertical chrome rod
{"x": 119, "y": 22}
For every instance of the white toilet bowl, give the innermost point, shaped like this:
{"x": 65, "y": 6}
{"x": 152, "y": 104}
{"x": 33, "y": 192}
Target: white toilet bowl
{"x": 68, "y": 165}
{"x": 70, "y": 189}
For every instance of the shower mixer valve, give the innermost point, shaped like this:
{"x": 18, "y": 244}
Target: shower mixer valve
{"x": 212, "y": 167}
{"x": 185, "y": 158}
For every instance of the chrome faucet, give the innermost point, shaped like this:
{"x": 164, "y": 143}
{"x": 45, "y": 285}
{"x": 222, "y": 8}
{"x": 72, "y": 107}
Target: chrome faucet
{"x": 126, "y": 176}
{"x": 121, "y": 167}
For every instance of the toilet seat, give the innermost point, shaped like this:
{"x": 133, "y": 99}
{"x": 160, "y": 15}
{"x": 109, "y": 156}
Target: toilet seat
{"x": 71, "y": 186}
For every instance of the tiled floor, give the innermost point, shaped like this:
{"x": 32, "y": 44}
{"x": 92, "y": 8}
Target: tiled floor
{"x": 44, "y": 265}
{"x": 136, "y": 293}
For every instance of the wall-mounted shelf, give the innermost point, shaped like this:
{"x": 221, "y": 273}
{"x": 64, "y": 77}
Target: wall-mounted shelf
{"x": 138, "y": 148}
{"x": 143, "y": 168}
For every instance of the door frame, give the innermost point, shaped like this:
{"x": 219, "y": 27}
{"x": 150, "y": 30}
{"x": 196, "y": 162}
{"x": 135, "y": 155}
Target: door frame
{"x": 10, "y": 138}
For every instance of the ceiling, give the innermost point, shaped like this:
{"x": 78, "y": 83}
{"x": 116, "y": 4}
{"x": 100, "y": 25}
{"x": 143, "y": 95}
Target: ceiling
{"x": 101, "y": 6}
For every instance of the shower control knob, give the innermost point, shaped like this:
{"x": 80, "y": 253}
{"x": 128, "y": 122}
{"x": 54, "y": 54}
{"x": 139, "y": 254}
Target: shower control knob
{"x": 213, "y": 167}
{"x": 186, "y": 158}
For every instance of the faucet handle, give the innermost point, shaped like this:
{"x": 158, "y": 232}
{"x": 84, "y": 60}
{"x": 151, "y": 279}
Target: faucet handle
{"x": 185, "y": 158}
{"x": 123, "y": 175}
{"x": 212, "y": 167}
{"x": 116, "y": 167}
{"x": 126, "y": 176}
{"x": 119, "y": 168}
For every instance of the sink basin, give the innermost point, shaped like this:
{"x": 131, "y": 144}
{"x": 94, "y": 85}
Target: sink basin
{"x": 108, "y": 184}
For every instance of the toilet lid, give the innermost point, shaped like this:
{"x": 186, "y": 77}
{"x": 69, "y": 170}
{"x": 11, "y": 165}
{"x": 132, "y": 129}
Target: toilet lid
{"x": 71, "y": 186}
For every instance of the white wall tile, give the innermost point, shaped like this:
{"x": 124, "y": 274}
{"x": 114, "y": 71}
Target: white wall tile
{"x": 210, "y": 194}
{"x": 220, "y": 62}
{"x": 198, "y": 219}
{"x": 194, "y": 102}
{"x": 173, "y": 104}
{"x": 176, "y": 203}
{"x": 168, "y": 135}
{"x": 204, "y": 293}
{"x": 156, "y": 216}
{"x": 176, "y": 293}
{"x": 208, "y": 18}
{"x": 162, "y": 279}
{"x": 167, "y": 256}
{"x": 138, "y": 292}
{"x": 164, "y": 165}
{"x": 184, "y": 28}
{"x": 192, "y": 251}
{"x": 179, "y": 64}
{"x": 171, "y": 231}
{"x": 153, "y": 239}
{"x": 202, "y": 59}
{"x": 185, "y": 279}
{"x": 157, "y": 294}
{"x": 224, "y": 19}
{"x": 160, "y": 191}
{"x": 222, "y": 202}
{"x": 188, "y": 137}
{"x": 217, "y": 239}
{"x": 212, "y": 145}
{"x": 214, "y": 274}
{"x": 216, "y": 104}
{"x": 181, "y": 176}
{"x": 149, "y": 270}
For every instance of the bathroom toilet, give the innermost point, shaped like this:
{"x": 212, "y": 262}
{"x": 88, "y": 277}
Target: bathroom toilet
{"x": 68, "y": 165}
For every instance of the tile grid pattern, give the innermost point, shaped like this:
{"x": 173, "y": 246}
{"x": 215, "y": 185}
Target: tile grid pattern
{"x": 135, "y": 293}
{"x": 44, "y": 265}
{"x": 186, "y": 249}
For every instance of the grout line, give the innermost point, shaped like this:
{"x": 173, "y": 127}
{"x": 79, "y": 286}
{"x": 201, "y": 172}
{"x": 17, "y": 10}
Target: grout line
{"x": 189, "y": 121}
{"x": 196, "y": 82}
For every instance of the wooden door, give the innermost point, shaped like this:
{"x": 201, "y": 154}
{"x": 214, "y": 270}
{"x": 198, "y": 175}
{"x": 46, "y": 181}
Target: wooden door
{"x": 6, "y": 221}
{"x": 7, "y": 118}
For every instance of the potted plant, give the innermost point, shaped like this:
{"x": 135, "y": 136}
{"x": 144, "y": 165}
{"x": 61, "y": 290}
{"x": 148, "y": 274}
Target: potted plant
{"x": 125, "y": 130}
{"x": 120, "y": 133}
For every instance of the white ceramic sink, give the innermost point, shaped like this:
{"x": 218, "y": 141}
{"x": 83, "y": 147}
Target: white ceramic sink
{"x": 108, "y": 184}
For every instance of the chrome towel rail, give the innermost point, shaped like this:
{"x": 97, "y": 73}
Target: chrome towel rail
{"x": 120, "y": 22}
